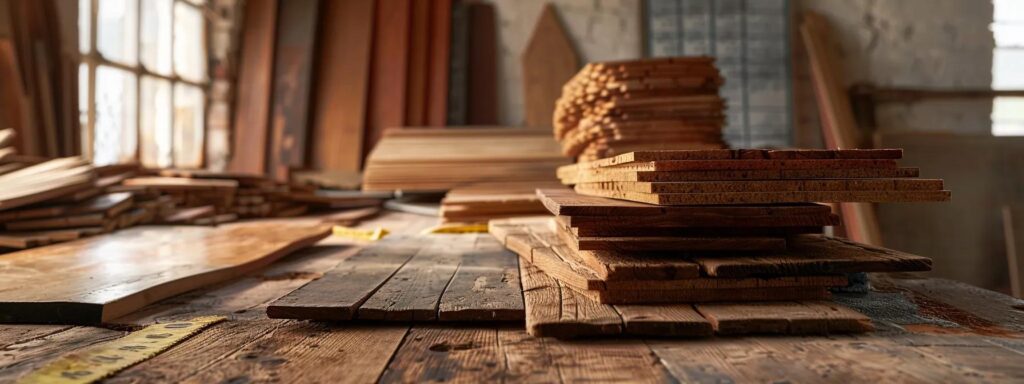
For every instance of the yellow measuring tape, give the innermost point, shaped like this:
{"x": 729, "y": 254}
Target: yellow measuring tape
{"x": 98, "y": 362}
{"x": 360, "y": 234}
{"x": 457, "y": 228}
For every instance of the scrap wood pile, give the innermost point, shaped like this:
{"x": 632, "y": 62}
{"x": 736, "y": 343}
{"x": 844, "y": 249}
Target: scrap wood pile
{"x": 436, "y": 160}
{"x": 730, "y": 237}
{"x": 617, "y": 107}
{"x": 68, "y": 198}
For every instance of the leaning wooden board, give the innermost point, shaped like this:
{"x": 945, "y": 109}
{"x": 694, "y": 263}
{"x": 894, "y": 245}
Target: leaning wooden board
{"x": 97, "y": 279}
{"x": 425, "y": 278}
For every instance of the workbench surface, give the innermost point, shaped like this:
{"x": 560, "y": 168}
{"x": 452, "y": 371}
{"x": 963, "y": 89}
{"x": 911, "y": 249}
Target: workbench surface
{"x": 929, "y": 330}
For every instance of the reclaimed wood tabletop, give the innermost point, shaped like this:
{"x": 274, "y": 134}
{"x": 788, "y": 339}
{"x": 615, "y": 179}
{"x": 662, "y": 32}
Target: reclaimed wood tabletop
{"x": 928, "y": 330}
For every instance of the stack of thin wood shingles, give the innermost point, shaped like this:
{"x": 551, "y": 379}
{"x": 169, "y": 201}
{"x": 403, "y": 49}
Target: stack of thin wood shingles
{"x": 617, "y": 107}
{"x": 434, "y": 160}
{"x": 733, "y": 231}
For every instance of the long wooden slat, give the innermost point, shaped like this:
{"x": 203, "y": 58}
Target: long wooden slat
{"x": 438, "y": 72}
{"x": 770, "y": 197}
{"x": 482, "y": 87}
{"x": 784, "y": 318}
{"x": 602, "y": 175}
{"x": 486, "y": 286}
{"x": 414, "y": 293}
{"x": 344, "y": 55}
{"x": 565, "y": 202}
{"x": 388, "y": 70}
{"x": 886, "y": 184}
{"x": 293, "y": 71}
{"x": 338, "y": 294}
{"x": 1013, "y": 233}
{"x": 77, "y": 283}
{"x": 255, "y": 82}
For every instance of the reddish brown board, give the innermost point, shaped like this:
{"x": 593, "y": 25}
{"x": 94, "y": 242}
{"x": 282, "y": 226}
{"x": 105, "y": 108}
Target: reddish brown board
{"x": 388, "y": 69}
{"x": 482, "y": 100}
{"x": 341, "y": 85}
{"x": 437, "y": 76}
{"x": 255, "y": 74}
{"x": 419, "y": 55}
{"x": 293, "y": 68}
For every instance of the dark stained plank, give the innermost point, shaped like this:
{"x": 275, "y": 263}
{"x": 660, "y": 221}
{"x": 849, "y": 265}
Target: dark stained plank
{"x": 436, "y": 353}
{"x": 482, "y": 85}
{"x": 388, "y": 70}
{"x": 26, "y": 355}
{"x": 75, "y": 284}
{"x": 549, "y": 60}
{"x": 486, "y": 286}
{"x": 255, "y": 87}
{"x": 293, "y": 67}
{"x": 267, "y": 350}
{"x": 86, "y": 220}
{"x": 782, "y": 317}
{"x": 418, "y": 65}
{"x": 344, "y": 53}
{"x": 678, "y": 320}
{"x": 340, "y": 292}
{"x": 414, "y": 292}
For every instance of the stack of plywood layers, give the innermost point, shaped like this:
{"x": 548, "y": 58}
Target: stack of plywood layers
{"x": 442, "y": 159}
{"x": 617, "y": 107}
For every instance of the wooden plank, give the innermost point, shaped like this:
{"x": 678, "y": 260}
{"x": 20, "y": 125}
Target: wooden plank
{"x": 770, "y": 197}
{"x": 812, "y": 255}
{"x": 419, "y": 61}
{"x": 388, "y": 70}
{"x": 482, "y": 87}
{"x": 255, "y": 82}
{"x": 837, "y": 122}
{"x": 549, "y": 60}
{"x": 433, "y": 353}
{"x": 485, "y": 287}
{"x": 340, "y": 292}
{"x": 800, "y": 318}
{"x": 553, "y": 310}
{"x": 414, "y": 292}
{"x": 893, "y": 184}
{"x": 86, "y": 220}
{"x": 742, "y": 165}
{"x": 1013, "y": 232}
{"x": 565, "y": 202}
{"x": 164, "y": 261}
{"x": 679, "y": 320}
{"x": 665, "y": 243}
{"x": 604, "y": 175}
{"x": 438, "y": 72}
{"x": 340, "y": 101}
{"x": 293, "y": 68}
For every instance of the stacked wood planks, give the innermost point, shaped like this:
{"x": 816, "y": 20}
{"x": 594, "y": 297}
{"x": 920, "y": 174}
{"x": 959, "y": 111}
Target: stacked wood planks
{"x": 612, "y": 108}
{"x": 753, "y": 176}
{"x": 438, "y": 160}
{"x": 65, "y": 199}
{"x": 478, "y": 203}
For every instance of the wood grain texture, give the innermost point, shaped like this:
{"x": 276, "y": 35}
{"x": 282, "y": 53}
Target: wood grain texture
{"x": 679, "y": 320}
{"x": 439, "y": 59}
{"x": 388, "y": 70}
{"x": 293, "y": 84}
{"x": 486, "y": 286}
{"x": 1013, "y": 232}
{"x": 164, "y": 261}
{"x": 784, "y": 318}
{"x": 419, "y": 63}
{"x": 340, "y": 292}
{"x": 340, "y": 101}
{"x": 255, "y": 87}
{"x": 482, "y": 87}
{"x": 912, "y": 196}
{"x": 549, "y": 61}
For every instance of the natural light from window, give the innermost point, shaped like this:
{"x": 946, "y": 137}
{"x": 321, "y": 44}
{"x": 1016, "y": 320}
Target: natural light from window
{"x": 1008, "y": 66}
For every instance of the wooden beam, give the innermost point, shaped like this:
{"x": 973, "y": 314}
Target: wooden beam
{"x": 255, "y": 73}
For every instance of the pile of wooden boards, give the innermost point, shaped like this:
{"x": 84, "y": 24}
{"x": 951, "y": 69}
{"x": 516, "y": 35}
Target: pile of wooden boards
{"x": 602, "y": 253}
{"x": 65, "y": 199}
{"x": 616, "y": 107}
{"x": 479, "y": 203}
{"x": 754, "y": 176}
{"x": 422, "y": 160}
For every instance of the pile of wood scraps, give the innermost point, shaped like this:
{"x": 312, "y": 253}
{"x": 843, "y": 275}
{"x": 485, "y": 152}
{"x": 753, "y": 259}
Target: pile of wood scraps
{"x": 479, "y": 203}
{"x": 616, "y": 107}
{"x": 434, "y": 160}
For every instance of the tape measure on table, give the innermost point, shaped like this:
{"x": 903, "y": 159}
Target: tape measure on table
{"x": 98, "y": 362}
{"x": 457, "y": 228}
{"x": 359, "y": 234}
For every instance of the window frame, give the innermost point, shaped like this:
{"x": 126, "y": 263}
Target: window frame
{"x": 93, "y": 59}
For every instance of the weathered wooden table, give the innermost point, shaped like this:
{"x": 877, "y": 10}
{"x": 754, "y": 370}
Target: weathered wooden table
{"x": 930, "y": 330}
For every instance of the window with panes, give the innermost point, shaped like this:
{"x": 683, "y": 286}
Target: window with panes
{"x": 143, "y": 81}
